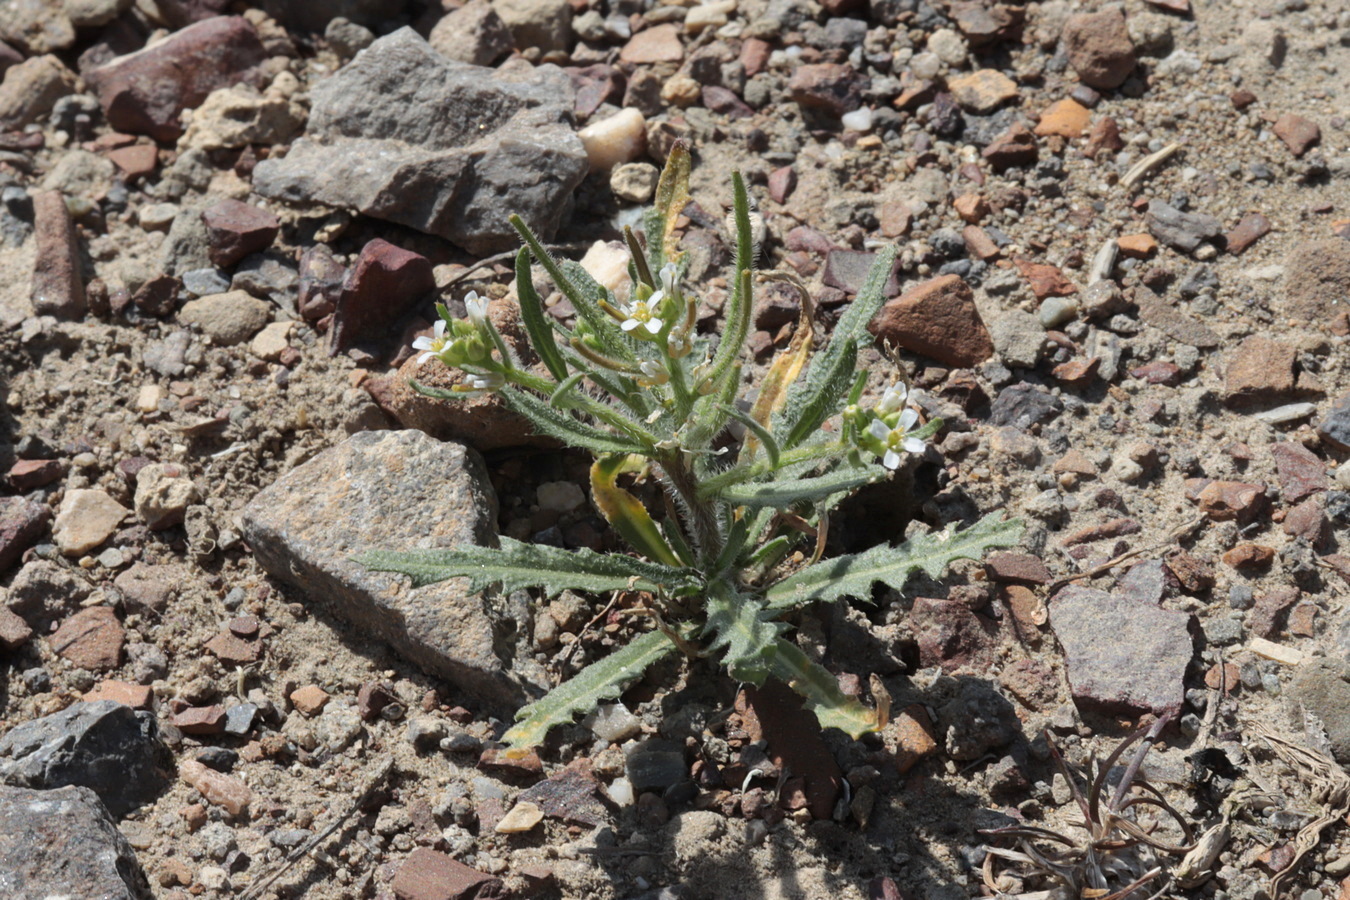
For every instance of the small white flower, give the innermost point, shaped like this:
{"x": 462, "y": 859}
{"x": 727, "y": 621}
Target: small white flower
{"x": 653, "y": 372}
{"x": 432, "y": 345}
{"x": 894, "y": 398}
{"x": 668, "y": 275}
{"x": 642, "y": 314}
{"x": 474, "y": 386}
{"x": 896, "y": 439}
{"x": 477, "y": 308}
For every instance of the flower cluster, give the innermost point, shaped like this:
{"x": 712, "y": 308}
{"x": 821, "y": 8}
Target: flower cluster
{"x": 888, "y": 427}
{"x": 467, "y": 344}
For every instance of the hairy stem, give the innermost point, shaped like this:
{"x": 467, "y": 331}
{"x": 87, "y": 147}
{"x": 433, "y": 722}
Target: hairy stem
{"x": 702, "y": 519}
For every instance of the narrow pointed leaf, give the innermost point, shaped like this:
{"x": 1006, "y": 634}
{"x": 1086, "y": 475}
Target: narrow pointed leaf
{"x": 672, "y": 195}
{"x": 782, "y": 494}
{"x": 854, "y": 575}
{"x": 626, "y": 513}
{"x": 820, "y": 690}
{"x": 759, "y": 435}
{"x": 534, "y": 318}
{"x": 517, "y": 565}
{"x": 582, "y": 692}
{"x": 780, "y": 377}
{"x": 558, "y": 424}
{"x": 813, "y": 409}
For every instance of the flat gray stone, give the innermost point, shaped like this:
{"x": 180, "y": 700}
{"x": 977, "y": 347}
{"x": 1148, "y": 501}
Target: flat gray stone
{"x": 109, "y": 748}
{"x": 1122, "y": 656}
{"x": 404, "y": 134}
{"x": 1184, "y": 231}
{"x": 63, "y": 843}
{"x": 1323, "y": 687}
{"x": 394, "y": 490}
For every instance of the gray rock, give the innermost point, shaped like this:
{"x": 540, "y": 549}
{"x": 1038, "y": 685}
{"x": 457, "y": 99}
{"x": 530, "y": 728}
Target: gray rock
{"x": 655, "y": 765}
{"x": 206, "y": 281}
{"x": 109, "y": 748}
{"x": 1122, "y": 655}
{"x": 63, "y": 843}
{"x": 1023, "y": 405}
{"x": 406, "y": 135}
{"x": 1179, "y": 230}
{"x": 1018, "y": 337}
{"x": 1323, "y": 687}
{"x": 396, "y": 490}
{"x": 347, "y": 38}
{"x": 472, "y": 34}
{"x": 545, "y": 24}
{"x": 1334, "y": 428}
{"x": 269, "y": 276}
{"x": 186, "y": 248}
{"x": 977, "y": 721}
{"x": 168, "y": 357}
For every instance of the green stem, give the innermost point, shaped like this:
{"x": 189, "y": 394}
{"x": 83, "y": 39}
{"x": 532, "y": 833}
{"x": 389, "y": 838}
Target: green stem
{"x": 702, "y": 519}
{"x": 602, "y": 411}
{"x": 740, "y": 474}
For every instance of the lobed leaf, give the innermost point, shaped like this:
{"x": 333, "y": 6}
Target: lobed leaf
{"x": 582, "y": 692}
{"x": 819, "y": 688}
{"x": 518, "y": 565}
{"x": 854, "y": 575}
{"x": 744, "y": 630}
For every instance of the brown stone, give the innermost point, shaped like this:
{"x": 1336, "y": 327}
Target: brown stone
{"x": 971, "y": 208}
{"x": 1105, "y": 135}
{"x": 91, "y": 639}
{"x": 1099, "y": 48}
{"x": 144, "y": 92}
{"x": 1112, "y": 528}
{"x": 58, "y": 284}
{"x": 31, "y": 89}
{"x": 775, "y": 714}
{"x": 223, "y": 790}
{"x": 1016, "y": 568}
{"x": 429, "y": 875}
{"x": 137, "y": 696}
{"x": 1075, "y": 462}
{"x": 159, "y": 296}
{"x": 1015, "y": 147}
{"x": 22, "y": 522}
{"x": 385, "y": 282}
{"x": 1066, "y": 118}
{"x": 978, "y": 243}
{"x": 1301, "y": 472}
{"x": 520, "y": 764}
{"x": 1077, "y": 371}
{"x": 1227, "y": 500}
{"x": 782, "y": 182}
{"x": 830, "y": 87}
{"x": 1308, "y": 520}
{"x": 14, "y": 631}
{"x": 310, "y": 699}
{"x": 755, "y": 56}
{"x": 28, "y": 474}
{"x": 1269, "y": 614}
{"x": 1247, "y": 232}
{"x": 982, "y": 91}
{"x": 950, "y": 635}
{"x": 1247, "y": 555}
{"x": 912, "y": 732}
{"x": 1137, "y": 246}
{"x": 136, "y": 160}
{"x": 1194, "y": 573}
{"x": 937, "y": 319}
{"x": 1260, "y": 370}
{"x": 1045, "y": 280}
{"x": 1158, "y": 372}
{"x": 1299, "y": 134}
{"x": 658, "y": 44}
{"x": 985, "y": 23}
{"x": 1173, "y": 322}
{"x": 147, "y": 589}
{"x": 200, "y": 720}
{"x": 894, "y": 218}
{"x": 1223, "y": 677}
{"x": 237, "y": 229}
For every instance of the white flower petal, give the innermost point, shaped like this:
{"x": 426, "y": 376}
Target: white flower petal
{"x": 914, "y": 445}
{"x": 652, "y": 325}
{"x": 629, "y": 324}
{"x": 879, "y": 430}
{"x": 891, "y": 460}
{"x": 421, "y": 360}
{"x": 439, "y": 328}
{"x": 424, "y": 343}
{"x": 908, "y": 419}
{"x": 668, "y": 273}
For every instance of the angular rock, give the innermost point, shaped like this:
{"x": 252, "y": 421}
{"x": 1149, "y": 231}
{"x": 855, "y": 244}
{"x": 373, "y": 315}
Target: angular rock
{"x": 31, "y": 89}
{"x": 1227, "y": 500}
{"x": 1260, "y": 370}
{"x": 1252, "y": 228}
{"x": 1122, "y": 656}
{"x": 136, "y": 696}
{"x": 1317, "y": 279}
{"x": 403, "y": 134}
{"x": 1045, "y": 280}
{"x": 159, "y": 296}
{"x": 429, "y": 875}
{"x": 237, "y": 229}
{"x": 1322, "y": 686}
{"x": 1099, "y": 48}
{"x": 321, "y": 278}
{"x": 147, "y": 589}
{"x": 200, "y": 720}
{"x": 914, "y": 738}
{"x": 982, "y": 91}
{"x": 164, "y": 491}
{"x": 224, "y": 791}
{"x": 1334, "y": 428}
{"x": 659, "y": 44}
{"x": 385, "y": 283}
{"x": 29, "y": 474}
{"x": 239, "y": 115}
{"x": 572, "y": 795}
{"x": 848, "y": 271}
{"x": 58, "y": 285}
{"x": 1136, "y": 246}
{"x": 472, "y": 34}
{"x": 398, "y": 490}
{"x": 545, "y": 24}
{"x": 1299, "y": 134}
{"x": 1024, "y": 405}
{"x": 63, "y": 843}
{"x": 1016, "y": 568}
{"x": 86, "y": 519}
{"x": 937, "y": 319}
{"x": 107, "y": 747}
{"x": 143, "y": 92}
{"x": 14, "y": 631}
{"x": 1172, "y": 321}
{"x": 977, "y": 721}
{"x": 37, "y": 26}
{"x": 950, "y": 635}
{"x": 985, "y": 23}
{"x": 1184, "y": 231}
{"x": 228, "y": 319}
{"x": 1065, "y": 118}
{"x": 1014, "y": 148}
{"x": 91, "y": 639}
{"x": 1302, "y": 473}
{"x": 834, "y": 88}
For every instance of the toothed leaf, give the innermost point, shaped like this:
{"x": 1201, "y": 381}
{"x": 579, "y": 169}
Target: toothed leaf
{"x": 745, "y": 632}
{"x": 820, "y": 692}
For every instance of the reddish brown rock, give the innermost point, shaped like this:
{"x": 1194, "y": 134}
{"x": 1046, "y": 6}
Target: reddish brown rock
{"x": 1193, "y": 573}
{"x": 428, "y": 875}
{"x": 573, "y": 795}
{"x": 1105, "y": 136}
{"x": 28, "y": 474}
{"x": 1137, "y": 246}
{"x": 724, "y": 102}
{"x": 385, "y": 283}
{"x": 894, "y": 218}
{"x": 1224, "y": 677}
{"x": 972, "y": 208}
{"x": 1260, "y": 370}
{"x": 1308, "y": 520}
{"x": 224, "y": 791}
{"x": 1268, "y": 616}
{"x": 774, "y": 714}
{"x": 913, "y": 736}
{"x": 658, "y": 44}
{"x": 1301, "y": 472}
{"x": 1015, "y": 147}
{"x": 135, "y": 161}
{"x": 1065, "y": 118}
{"x": 147, "y": 589}
{"x": 310, "y": 699}
{"x": 91, "y": 639}
{"x": 834, "y": 88}
{"x": 755, "y": 56}
{"x": 137, "y": 696}
{"x": 200, "y": 720}
{"x": 938, "y": 319}
{"x": 237, "y": 229}
{"x": 1247, "y": 555}
{"x": 985, "y": 23}
{"x": 516, "y": 763}
{"x": 144, "y": 92}
{"x": 1016, "y": 568}
{"x": 14, "y": 631}
{"x": 1099, "y": 48}
{"x": 1158, "y": 372}
{"x": 58, "y": 285}
{"x": 22, "y": 522}
{"x": 1045, "y": 280}
{"x": 982, "y": 91}
{"x": 978, "y": 243}
{"x": 1252, "y": 228}
{"x": 950, "y": 635}
{"x": 321, "y": 278}
{"x": 1077, "y": 371}
{"x": 159, "y": 296}
{"x": 1226, "y": 500}
{"x": 31, "y": 89}
{"x": 1111, "y": 528}
{"x": 782, "y": 182}
{"x": 1299, "y": 134}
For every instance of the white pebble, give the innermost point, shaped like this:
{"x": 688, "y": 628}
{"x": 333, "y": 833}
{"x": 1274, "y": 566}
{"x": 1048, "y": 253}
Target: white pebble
{"x": 858, "y": 120}
{"x": 621, "y": 792}
{"x": 613, "y": 722}
{"x": 619, "y": 139}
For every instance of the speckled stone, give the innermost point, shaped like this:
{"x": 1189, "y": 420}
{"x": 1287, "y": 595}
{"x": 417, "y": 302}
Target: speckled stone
{"x": 395, "y": 490}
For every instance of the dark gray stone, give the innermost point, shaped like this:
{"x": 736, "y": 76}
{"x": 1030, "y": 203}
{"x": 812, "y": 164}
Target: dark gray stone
{"x": 1181, "y": 230}
{"x": 655, "y": 765}
{"x": 105, "y": 746}
{"x": 1122, "y": 656}
{"x": 978, "y": 720}
{"x": 406, "y": 135}
{"x": 1335, "y": 425}
{"x": 1024, "y": 405}
{"x": 63, "y": 843}
{"x": 1323, "y": 687}
{"x": 391, "y": 490}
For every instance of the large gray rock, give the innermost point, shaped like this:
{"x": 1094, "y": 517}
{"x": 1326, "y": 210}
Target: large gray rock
{"x": 1122, "y": 656}
{"x": 105, "y": 746}
{"x": 63, "y": 843}
{"x": 1323, "y": 687}
{"x": 404, "y": 134}
{"x": 392, "y": 490}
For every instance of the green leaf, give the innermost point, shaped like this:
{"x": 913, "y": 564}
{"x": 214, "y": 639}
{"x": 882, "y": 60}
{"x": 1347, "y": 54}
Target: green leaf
{"x": 802, "y": 418}
{"x": 854, "y": 575}
{"x": 535, "y": 319}
{"x": 744, "y": 630}
{"x": 626, "y": 513}
{"x": 559, "y": 396}
{"x": 557, "y": 424}
{"x": 582, "y": 692}
{"x": 820, "y": 691}
{"x": 518, "y": 565}
{"x": 782, "y": 494}
{"x": 763, "y": 434}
